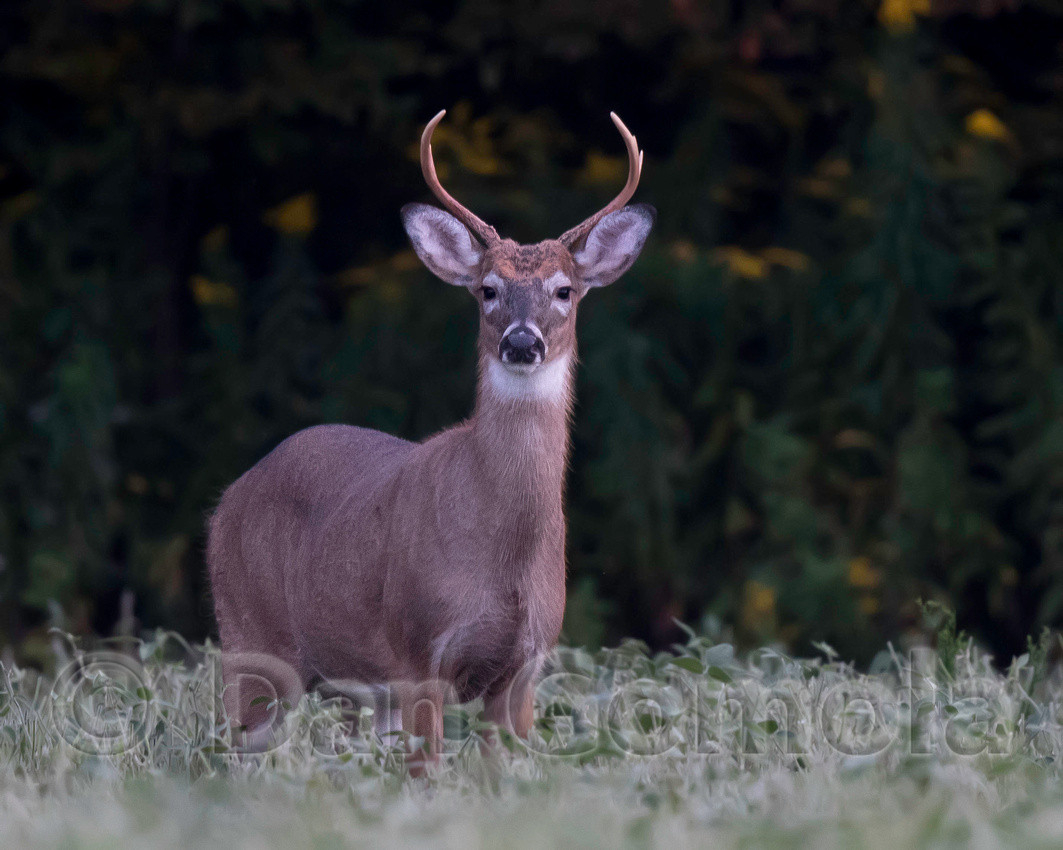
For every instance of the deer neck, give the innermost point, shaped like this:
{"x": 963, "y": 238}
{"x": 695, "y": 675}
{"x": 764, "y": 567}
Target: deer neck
{"x": 520, "y": 434}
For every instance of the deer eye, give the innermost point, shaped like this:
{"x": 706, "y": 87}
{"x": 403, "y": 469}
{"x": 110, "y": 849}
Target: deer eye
{"x": 488, "y": 293}
{"x": 563, "y": 293}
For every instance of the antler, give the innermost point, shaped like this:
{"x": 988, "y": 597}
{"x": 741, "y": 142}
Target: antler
{"x": 487, "y": 234}
{"x": 571, "y": 238}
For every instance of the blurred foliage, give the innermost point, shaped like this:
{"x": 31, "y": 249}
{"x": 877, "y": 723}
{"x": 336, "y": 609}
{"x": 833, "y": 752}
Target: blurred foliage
{"x": 831, "y": 386}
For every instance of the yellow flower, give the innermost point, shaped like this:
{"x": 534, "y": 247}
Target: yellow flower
{"x": 898, "y": 16}
{"x": 208, "y": 293}
{"x": 684, "y": 251}
{"x": 599, "y": 168}
{"x": 758, "y": 606}
{"x": 986, "y": 125}
{"x": 743, "y": 263}
{"x": 469, "y": 140}
{"x": 295, "y": 217}
{"x": 862, "y": 574}
{"x": 787, "y": 258}
{"x": 381, "y": 271}
{"x": 480, "y": 162}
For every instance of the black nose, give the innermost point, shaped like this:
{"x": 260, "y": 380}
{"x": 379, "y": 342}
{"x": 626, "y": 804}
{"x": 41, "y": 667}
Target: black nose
{"x": 521, "y": 345}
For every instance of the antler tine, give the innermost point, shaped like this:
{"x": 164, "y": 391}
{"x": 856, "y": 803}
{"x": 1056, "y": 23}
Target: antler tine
{"x": 571, "y": 238}
{"x": 484, "y": 232}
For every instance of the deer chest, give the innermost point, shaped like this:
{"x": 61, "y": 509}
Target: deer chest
{"x": 508, "y": 633}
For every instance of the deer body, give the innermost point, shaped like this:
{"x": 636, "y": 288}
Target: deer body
{"x": 377, "y": 517}
{"x": 436, "y": 568}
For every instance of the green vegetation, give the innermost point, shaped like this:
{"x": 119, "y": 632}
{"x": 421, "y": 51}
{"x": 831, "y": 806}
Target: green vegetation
{"x": 831, "y": 386}
{"x": 629, "y": 749}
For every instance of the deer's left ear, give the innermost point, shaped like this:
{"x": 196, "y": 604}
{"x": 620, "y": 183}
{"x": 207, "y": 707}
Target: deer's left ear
{"x": 614, "y": 244}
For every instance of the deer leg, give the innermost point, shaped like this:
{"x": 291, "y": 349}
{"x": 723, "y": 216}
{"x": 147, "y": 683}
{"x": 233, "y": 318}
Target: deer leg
{"x": 524, "y": 715}
{"x": 388, "y": 726}
{"x": 422, "y": 716}
{"x": 258, "y": 689}
{"x": 512, "y": 707}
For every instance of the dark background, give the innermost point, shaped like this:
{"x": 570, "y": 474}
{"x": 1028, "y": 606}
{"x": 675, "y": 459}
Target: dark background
{"x": 831, "y": 386}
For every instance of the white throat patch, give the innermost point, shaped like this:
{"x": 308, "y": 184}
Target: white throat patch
{"x": 547, "y": 382}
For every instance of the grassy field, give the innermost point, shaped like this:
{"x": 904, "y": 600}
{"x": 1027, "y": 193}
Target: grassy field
{"x": 630, "y": 749}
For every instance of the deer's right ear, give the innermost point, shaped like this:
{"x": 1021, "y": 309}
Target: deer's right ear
{"x": 443, "y": 243}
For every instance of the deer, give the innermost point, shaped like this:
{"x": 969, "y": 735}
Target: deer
{"x": 433, "y": 570}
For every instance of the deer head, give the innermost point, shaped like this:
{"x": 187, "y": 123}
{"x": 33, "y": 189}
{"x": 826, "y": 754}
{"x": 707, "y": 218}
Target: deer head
{"x": 528, "y": 294}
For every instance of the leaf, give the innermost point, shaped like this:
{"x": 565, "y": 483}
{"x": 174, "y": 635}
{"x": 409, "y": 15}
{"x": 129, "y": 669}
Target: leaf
{"x": 688, "y": 663}
{"x": 719, "y": 674}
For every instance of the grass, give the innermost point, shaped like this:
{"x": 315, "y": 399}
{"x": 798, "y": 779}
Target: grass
{"x": 677, "y": 749}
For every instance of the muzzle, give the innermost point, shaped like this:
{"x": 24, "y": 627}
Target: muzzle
{"x": 522, "y": 345}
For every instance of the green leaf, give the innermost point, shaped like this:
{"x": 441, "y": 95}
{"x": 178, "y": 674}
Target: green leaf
{"x": 719, "y": 674}
{"x": 686, "y": 662}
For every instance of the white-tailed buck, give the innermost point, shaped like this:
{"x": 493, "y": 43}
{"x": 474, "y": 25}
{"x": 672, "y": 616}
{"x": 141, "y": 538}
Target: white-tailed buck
{"x": 435, "y": 570}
